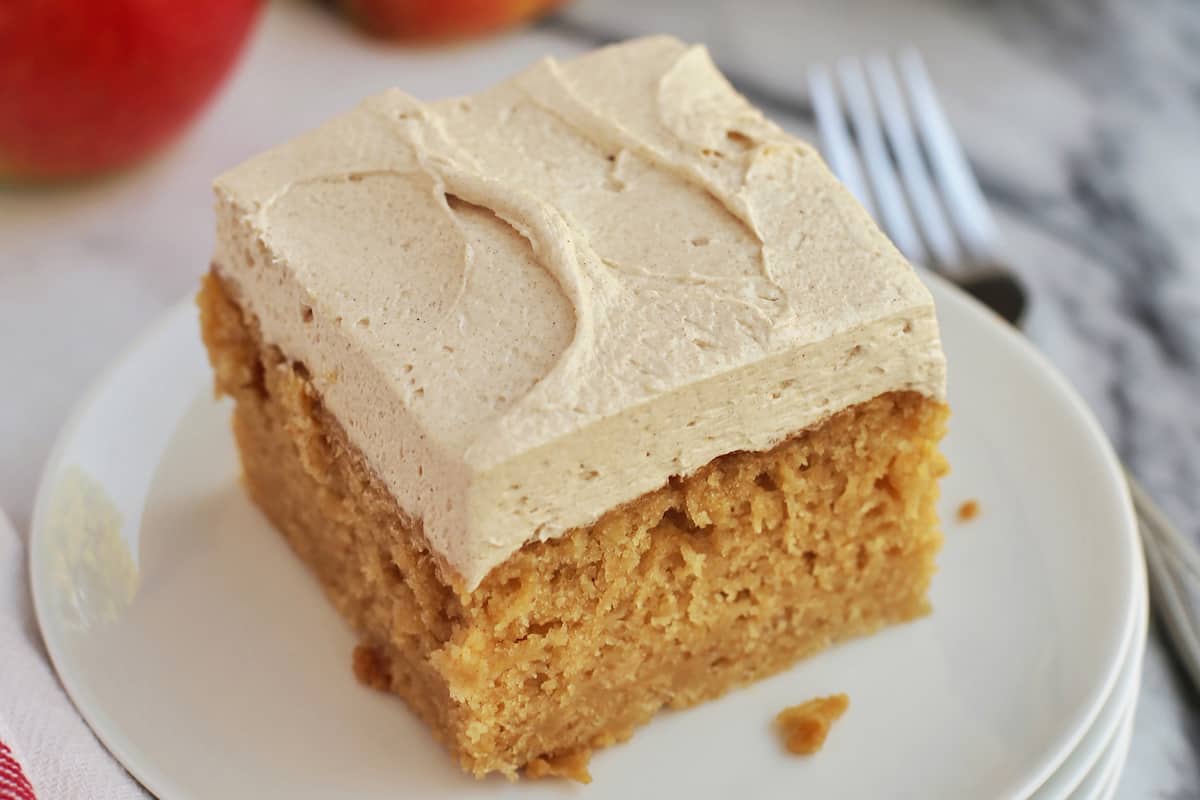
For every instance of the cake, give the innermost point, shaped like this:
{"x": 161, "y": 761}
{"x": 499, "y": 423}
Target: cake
{"x": 586, "y": 396}
{"x": 805, "y": 727}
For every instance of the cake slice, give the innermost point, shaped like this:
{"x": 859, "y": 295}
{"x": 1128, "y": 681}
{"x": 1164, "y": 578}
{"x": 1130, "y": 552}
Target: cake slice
{"x": 588, "y": 395}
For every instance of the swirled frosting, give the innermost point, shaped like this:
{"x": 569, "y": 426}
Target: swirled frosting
{"x": 531, "y": 305}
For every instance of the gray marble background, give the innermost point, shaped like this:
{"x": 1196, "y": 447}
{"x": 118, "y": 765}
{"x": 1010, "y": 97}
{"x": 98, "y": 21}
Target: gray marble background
{"x": 1081, "y": 116}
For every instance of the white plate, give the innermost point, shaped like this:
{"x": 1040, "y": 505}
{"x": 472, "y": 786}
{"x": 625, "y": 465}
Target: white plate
{"x": 1102, "y": 782}
{"x": 1082, "y": 767}
{"x": 209, "y": 663}
{"x": 1116, "y": 766}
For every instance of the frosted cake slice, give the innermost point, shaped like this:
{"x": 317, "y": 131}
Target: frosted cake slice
{"x": 587, "y": 395}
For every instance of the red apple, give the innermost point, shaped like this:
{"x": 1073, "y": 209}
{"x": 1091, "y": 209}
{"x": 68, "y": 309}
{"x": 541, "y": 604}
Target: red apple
{"x": 91, "y": 85}
{"x": 441, "y": 19}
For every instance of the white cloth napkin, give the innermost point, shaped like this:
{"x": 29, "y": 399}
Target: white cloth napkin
{"x": 45, "y": 734}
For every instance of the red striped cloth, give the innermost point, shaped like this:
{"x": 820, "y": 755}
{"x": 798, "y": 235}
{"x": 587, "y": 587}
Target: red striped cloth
{"x": 13, "y": 783}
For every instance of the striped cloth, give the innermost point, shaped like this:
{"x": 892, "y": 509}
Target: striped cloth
{"x": 13, "y": 783}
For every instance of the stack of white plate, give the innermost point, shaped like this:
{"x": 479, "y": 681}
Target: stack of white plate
{"x": 209, "y": 663}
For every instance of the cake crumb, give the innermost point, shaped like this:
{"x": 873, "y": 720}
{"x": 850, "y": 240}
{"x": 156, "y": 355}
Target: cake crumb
{"x": 804, "y": 727}
{"x": 573, "y": 765}
{"x": 370, "y": 669}
{"x": 968, "y": 511}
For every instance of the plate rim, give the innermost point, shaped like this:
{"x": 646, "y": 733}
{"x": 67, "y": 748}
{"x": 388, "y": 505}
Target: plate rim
{"x": 1132, "y": 664}
{"x": 1120, "y": 758}
{"x": 942, "y": 291}
{"x": 942, "y": 288}
{"x": 51, "y": 467}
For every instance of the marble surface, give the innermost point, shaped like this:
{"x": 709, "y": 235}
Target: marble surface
{"x": 1080, "y": 115}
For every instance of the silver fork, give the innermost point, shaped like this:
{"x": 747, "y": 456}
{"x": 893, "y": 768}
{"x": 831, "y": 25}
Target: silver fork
{"x": 908, "y": 169}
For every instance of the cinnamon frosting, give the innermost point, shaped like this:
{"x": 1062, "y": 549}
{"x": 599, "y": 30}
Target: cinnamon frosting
{"x": 534, "y": 304}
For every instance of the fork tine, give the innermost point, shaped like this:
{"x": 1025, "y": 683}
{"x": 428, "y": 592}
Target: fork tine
{"x": 964, "y": 199}
{"x": 835, "y": 138}
{"x": 913, "y": 173}
{"x": 893, "y": 208}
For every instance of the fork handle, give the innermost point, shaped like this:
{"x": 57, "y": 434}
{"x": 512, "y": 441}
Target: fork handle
{"x": 1174, "y": 569}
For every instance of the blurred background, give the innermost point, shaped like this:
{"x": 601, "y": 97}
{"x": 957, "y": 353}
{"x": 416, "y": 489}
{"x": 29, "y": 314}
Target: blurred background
{"x": 1080, "y": 116}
